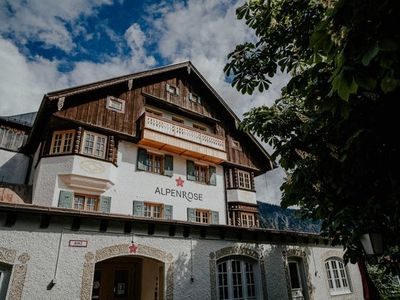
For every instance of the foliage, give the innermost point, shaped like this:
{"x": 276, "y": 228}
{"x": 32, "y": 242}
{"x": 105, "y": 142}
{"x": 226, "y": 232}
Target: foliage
{"x": 334, "y": 128}
{"x": 387, "y": 285}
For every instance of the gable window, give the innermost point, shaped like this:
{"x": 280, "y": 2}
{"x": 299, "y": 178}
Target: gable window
{"x": 201, "y": 173}
{"x": 152, "y": 210}
{"x": 115, "y": 104}
{"x": 194, "y": 98}
{"x": 236, "y": 279}
{"x": 337, "y": 276}
{"x": 62, "y": 142}
{"x": 244, "y": 181}
{"x": 86, "y": 202}
{"x": 236, "y": 145}
{"x": 204, "y": 216}
{"x": 155, "y": 163}
{"x": 172, "y": 89}
{"x": 94, "y": 144}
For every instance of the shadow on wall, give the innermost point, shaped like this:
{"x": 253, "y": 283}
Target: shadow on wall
{"x": 15, "y": 193}
{"x": 13, "y": 167}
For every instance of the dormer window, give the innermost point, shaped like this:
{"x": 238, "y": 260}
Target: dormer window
{"x": 172, "y": 89}
{"x": 194, "y": 98}
{"x": 115, "y": 104}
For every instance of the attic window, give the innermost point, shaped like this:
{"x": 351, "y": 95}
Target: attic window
{"x": 115, "y": 104}
{"x": 172, "y": 89}
{"x": 194, "y": 98}
{"x": 236, "y": 145}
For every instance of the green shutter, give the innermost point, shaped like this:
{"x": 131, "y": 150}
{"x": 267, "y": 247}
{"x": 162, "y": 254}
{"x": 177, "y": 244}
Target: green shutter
{"x": 138, "y": 208}
{"x": 214, "y": 217}
{"x": 105, "y": 204}
{"x": 190, "y": 170}
{"x": 212, "y": 175}
{"x": 168, "y": 165}
{"x": 142, "y": 159}
{"x": 65, "y": 199}
{"x": 168, "y": 212}
{"x": 191, "y": 214}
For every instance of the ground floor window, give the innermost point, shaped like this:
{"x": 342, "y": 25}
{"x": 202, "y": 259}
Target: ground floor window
{"x": 236, "y": 279}
{"x": 337, "y": 276}
{"x": 5, "y": 272}
{"x": 153, "y": 210}
{"x": 297, "y": 278}
{"x": 203, "y": 216}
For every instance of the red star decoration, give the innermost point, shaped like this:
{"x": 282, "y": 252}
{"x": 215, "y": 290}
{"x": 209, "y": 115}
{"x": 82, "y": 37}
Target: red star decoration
{"x": 179, "y": 181}
{"x": 133, "y": 248}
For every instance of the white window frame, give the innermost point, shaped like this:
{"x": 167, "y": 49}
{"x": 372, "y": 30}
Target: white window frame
{"x": 227, "y": 276}
{"x": 173, "y": 90}
{"x": 194, "y": 98}
{"x": 86, "y": 200}
{"x": 244, "y": 180}
{"x": 5, "y": 274}
{"x": 153, "y": 210}
{"x": 246, "y": 217}
{"x": 337, "y": 276}
{"x": 110, "y": 104}
{"x": 203, "y": 216}
{"x": 17, "y": 138}
{"x": 92, "y": 150}
{"x": 66, "y": 142}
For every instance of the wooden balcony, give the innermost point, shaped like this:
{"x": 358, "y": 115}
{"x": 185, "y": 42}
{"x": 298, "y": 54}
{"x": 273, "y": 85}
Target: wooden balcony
{"x": 177, "y": 138}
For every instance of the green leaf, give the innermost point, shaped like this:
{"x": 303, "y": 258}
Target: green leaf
{"x": 370, "y": 54}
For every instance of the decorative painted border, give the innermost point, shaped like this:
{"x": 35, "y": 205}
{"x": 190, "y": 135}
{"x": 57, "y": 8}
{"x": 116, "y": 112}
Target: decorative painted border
{"x": 18, "y": 273}
{"x": 241, "y": 250}
{"x": 301, "y": 254}
{"x": 123, "y": 250}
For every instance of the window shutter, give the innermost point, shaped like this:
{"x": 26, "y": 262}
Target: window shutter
{"x": 190, "y": 170}
{"x": 65, "y": 199}
{"x": 142, "y": 159}
{"x": 168, "y": 165}
{"x": 214, "y": 217}
{"x": 212, "y": 175}
{"x": 138, "y": 208}
{"x": 191, "y": 214}
{"x": 105, "y": 204}
{"x": 168, "y": 212}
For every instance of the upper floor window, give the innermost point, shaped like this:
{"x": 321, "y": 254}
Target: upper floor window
{"x": 62, "y": 142}
{"x": 178, "y": 120}
{"x": 155, "y": 163}
{"x": 337, "y": 276}
{"x": 236, "y": 279}
{"x": 201, "y": 173}
{"x": 154, "y": 112}
{"x": 247, "y": 219}
{"x": 115, "y": 104}
{"x": 236, "y": 145}
{"x": 244, "y": 181}
{"x": 11, "y": 139}
{"x": 195, "y": 98}
{"x": 86, "y": 202}
{"x": 172, "y": 89}
{"x": 199, "y": 127}
{"x": 152, "y": 210}
{"x": 94, "y": 144}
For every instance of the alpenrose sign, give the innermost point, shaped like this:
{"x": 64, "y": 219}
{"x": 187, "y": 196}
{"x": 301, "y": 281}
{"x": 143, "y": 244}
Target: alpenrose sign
{"x": 189, "y": 196}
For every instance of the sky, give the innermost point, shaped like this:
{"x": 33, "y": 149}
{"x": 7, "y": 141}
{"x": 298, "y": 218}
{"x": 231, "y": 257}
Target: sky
{"x": 48, "y": 45}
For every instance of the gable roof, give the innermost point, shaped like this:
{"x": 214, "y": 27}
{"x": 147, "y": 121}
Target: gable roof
{"x": 26, "y": 119}
{"x": 50, "y": 97}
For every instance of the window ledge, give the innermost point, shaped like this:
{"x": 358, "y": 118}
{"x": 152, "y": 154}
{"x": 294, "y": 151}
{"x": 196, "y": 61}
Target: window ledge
{"x": 340, "y": 293}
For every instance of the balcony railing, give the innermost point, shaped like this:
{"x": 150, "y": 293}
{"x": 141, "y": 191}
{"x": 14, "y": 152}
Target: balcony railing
{"x": 183, "y": 132}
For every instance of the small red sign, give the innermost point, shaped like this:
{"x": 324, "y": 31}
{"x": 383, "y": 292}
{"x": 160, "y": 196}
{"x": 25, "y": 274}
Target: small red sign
{"x": 78, "y": 243}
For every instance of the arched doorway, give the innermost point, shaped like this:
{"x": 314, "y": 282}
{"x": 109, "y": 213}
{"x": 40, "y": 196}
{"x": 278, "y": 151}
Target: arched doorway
{"x": 128, "y": 277}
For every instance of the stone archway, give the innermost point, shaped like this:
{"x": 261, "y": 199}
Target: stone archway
{"x": 126, "y": 250}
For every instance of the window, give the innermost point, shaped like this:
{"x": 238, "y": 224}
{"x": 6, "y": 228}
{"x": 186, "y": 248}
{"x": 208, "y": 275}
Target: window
{"x": 172, "y": 89}
{"x": 153, "y": 210}
{"x": 178, "y": 120}
{"x": 195, "y": 98}
{"x": 155, "y": 163}
{"x": 94, "y": 144}
{"x": 337, "y": 276}
{"x": 62, "y": 142}
{"x": 115, "y": 104}
{"x": 236, "y": 145}
{"x": 153, "y": 112}
{"x": 297, "y": 278}
{"x": 201, "y": 173}
{"x": 5, "y": 271}
{"x": 247, "y": 219}
{"x": 203, "y": 216}
{"x": 199, "y": 127}
{"x": 86, "y": 202}
{"x": 11, "y": 139}
{"x": 244, "y": 180}
{"x": 236, "y": 279}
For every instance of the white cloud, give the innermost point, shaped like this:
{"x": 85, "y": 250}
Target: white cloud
{"x": 45, "y": 20}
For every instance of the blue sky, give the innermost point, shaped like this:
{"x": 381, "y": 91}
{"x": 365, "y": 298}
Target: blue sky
{"x": 47, "y": 45}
